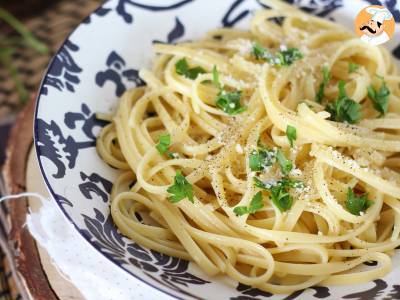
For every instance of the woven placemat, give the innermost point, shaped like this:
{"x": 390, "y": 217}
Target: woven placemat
{"x": 51, "y": 25}
{"x": 51, "y": 21}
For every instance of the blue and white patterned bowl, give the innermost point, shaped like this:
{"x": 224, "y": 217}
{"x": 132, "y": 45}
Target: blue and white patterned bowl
{"x": 96, "y": 64}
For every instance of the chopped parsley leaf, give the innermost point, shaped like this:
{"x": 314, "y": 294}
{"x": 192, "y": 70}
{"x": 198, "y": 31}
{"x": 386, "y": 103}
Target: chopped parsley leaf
{"x": 255, "y": 205}
{"x": 286, "y": 181}
{"x": 285, "y": 164}
{"x": 279, "y": 192}
{"x": 182, "y": 68}
{"x": 380, "y": 98}
{"x": 258, "y": 183}
{"x": 259, "y": 52}
{"x": 215, "y": 78}
{"x": 240, "y": 210}
{"x": 292, "y": 183}
{"x": 181, "y": 189}
{"x": 281, "y": 198}
{"x": 326, "y": 77}
{"x": 281, "y": 58}
{"x": 259, "y": 160}
{"x": 344, "y": 109}
{"x": 356, "y": 204}
{"x": 163, "y": 144}
{"x": 291, "y": 134}
{"x": 228, "y": 102}
{"x": 289, "y": 56}
{"x": 353, "y": 67}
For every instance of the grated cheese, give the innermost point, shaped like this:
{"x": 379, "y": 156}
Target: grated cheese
{"x": 296, "y": 172}
{"x": 239, "y": 149}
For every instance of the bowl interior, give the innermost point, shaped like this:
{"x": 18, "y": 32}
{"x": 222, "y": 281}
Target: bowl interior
{"x": 96, "y": 64}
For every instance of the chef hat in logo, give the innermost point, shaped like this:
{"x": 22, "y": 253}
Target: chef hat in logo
{"x": 379, "y": 14}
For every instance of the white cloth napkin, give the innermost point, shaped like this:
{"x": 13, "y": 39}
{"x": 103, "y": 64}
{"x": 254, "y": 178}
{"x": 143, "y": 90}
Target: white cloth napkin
{"x": 93, "y": 274}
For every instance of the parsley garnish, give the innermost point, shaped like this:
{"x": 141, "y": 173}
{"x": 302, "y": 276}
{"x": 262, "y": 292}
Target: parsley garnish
{"x": 292, "y": 183}
{"x": 255, "y": 205}
{"x": 228, "y": 102}
{"x": 291, "y": 134}
{"x": 281, "y": 198}
{"x": 323, "y": 84}
{"x": 258, "y": 183}
{"x": 280, "y": 191}
{"x": 182, "y": 68}
{"x": 181, "y": 189}
{"x": 288, "y": 182}
{"x": 215, "y": 78}
{"x": 163, "y": 145}
{"x": 289, "y": 56}
{"x": 380, "y": 99}
{"x": 285, "y": 164}
{"x": 281, "y": 58}
{"x": 262, "y": 158}
{"x": 344, "y": 109}
{"x": 356, "y": 204}
{"x": 353, "y": 67}
{"x": 259, "y": 52}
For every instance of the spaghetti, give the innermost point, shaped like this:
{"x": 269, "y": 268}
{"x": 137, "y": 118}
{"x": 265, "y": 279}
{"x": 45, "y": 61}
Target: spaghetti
{"x": 269, "y": 155}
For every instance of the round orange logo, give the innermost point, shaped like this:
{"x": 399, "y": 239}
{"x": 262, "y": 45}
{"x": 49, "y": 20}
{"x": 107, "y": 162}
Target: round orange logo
{"x": 375, "y": 25}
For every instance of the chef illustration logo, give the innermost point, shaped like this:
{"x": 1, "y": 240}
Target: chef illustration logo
{"x": 375, "y": 25}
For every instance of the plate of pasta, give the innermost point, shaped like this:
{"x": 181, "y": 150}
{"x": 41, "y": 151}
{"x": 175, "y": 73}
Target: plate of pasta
{"x": 229, "y": 149}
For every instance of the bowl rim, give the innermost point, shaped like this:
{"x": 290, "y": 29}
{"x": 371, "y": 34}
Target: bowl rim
{"x": 53, "y": 194}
